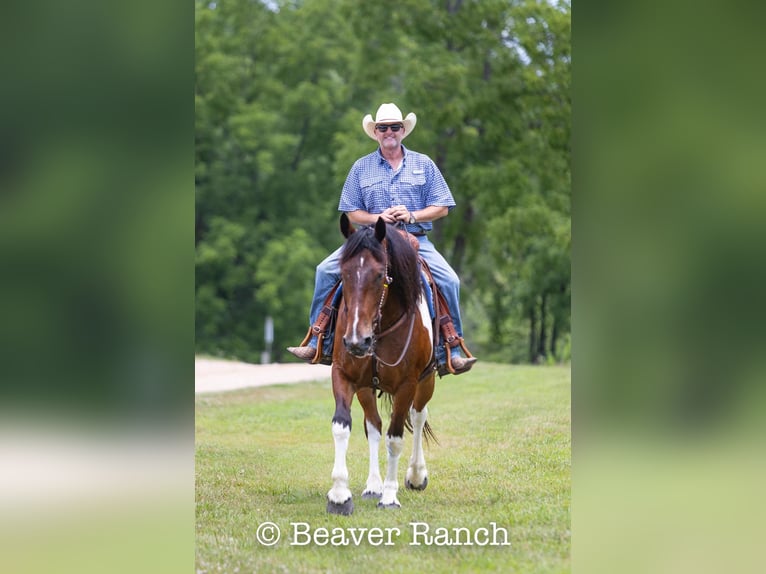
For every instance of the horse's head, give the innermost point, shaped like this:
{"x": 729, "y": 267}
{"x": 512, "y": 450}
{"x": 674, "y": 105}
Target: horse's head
{"x": 364, "y": 272}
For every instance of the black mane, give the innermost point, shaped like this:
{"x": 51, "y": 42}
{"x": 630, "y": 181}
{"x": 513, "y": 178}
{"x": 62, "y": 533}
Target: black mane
{"x": 402, "y": 261}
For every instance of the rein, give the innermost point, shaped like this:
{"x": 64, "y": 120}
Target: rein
{"x": 386, "y": 282}
{"x": 406, "y": 343}
{"x": 376, "y": 358}
{"x": 399, "y": 322}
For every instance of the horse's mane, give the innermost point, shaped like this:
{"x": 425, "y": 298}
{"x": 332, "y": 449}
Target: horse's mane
{"x": 402, "y": 261}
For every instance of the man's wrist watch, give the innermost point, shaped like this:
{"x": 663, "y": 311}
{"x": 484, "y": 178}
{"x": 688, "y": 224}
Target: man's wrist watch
{"x": 412, "y": 218}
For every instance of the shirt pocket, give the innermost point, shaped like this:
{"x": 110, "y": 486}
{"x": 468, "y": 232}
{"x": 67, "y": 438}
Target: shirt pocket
{"x": 410, "y": 181}
{"x": 371, "y": 183}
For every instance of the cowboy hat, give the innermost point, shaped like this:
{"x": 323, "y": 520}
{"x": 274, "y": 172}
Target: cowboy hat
{"x": 388, "y": 113}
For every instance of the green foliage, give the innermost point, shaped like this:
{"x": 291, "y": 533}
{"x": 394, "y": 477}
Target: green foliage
{"x": 285, "y": 283}
{"x": 280, "y": 93}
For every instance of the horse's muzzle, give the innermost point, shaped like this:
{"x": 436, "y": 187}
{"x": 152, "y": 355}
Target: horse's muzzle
{"x": 359, "y": 348}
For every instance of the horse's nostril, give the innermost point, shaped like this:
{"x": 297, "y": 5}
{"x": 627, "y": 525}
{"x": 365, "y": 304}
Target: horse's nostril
{"x": 357, "y": 347}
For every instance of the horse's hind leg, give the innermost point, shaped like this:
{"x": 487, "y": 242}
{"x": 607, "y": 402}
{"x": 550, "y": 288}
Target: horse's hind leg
{"x": 417, "y": 474}
{"x": 394, "y": 445}
{"x": 372, "y": 427}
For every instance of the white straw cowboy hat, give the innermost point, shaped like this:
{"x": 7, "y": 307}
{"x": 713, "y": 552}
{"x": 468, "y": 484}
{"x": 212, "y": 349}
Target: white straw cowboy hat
{"x": 388, "y": 114}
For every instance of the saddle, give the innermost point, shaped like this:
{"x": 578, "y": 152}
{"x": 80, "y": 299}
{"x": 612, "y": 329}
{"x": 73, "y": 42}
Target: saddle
{"x": 324, "y": 325}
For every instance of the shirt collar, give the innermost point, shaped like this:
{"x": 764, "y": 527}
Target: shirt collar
{"x": 381, "y": 159}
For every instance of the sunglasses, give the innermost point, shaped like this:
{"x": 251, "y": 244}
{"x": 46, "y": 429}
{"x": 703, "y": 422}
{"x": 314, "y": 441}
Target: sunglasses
{"x": 394, "y": 128}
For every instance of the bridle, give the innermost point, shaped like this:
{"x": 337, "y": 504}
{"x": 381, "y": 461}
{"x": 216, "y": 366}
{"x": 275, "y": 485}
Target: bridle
{"x": 399, "y": 322}
{"x": 376, "y": 326}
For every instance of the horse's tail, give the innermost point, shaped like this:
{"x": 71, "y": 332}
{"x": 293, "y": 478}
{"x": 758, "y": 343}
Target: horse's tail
{"x": 428, "y": 433}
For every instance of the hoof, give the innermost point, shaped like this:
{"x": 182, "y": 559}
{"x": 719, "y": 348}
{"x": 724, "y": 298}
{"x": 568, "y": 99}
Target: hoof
{"x": 411, "y": 486}
{"x": 392, "y": 505}
{"x": 344, "y": 508}
{"x": 370, "y": 495}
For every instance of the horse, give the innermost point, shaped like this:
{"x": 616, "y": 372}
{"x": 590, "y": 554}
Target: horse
{"x": 383, "y": 342}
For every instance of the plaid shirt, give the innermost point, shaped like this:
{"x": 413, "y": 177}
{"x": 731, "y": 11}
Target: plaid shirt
{"x": 373, "y": 186}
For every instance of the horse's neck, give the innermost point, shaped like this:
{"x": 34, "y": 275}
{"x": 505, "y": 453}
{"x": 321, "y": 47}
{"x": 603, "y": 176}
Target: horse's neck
{"x": 392, "y": 312}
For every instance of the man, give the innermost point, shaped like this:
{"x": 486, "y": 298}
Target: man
{"x": 399, "y": 185}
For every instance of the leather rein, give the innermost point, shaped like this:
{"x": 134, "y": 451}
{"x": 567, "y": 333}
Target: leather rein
{"x": 399, "y": 322}
{"x": 377, "y": 336}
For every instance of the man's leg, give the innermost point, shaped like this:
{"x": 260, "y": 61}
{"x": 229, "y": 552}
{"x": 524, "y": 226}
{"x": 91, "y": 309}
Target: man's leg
{"x": 449, "y": 284}
{"x": 327, "y": 275}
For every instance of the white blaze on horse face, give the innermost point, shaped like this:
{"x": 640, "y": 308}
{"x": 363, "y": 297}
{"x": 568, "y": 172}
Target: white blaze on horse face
{"x": 355, "y": 323}
{"x": 355, "y": 327}
{"x": 359, "y": 269}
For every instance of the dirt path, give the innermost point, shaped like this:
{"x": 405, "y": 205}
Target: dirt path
{"x": 216, "y": 375}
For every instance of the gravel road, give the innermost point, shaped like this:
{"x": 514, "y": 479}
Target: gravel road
{"x": 216, "y": 375}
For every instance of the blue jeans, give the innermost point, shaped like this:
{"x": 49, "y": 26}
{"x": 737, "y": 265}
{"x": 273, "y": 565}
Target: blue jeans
{"x": 328, "y": 274}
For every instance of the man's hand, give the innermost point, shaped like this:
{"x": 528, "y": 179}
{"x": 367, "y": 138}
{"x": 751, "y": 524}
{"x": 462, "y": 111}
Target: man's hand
{"x": 394, "y": 214}
{"x": 399, "y": 213}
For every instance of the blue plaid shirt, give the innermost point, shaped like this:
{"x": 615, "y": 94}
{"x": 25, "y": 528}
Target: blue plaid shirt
{"x": 373, "y": 186}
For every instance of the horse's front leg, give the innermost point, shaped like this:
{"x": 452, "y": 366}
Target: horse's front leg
{"x": 372, "y": 427}
{"x": 394, "y": 445}
{"x": 339, "y": 497}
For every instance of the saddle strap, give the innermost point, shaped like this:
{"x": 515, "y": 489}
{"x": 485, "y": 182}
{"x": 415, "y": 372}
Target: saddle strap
{"x": 446, "y": 326}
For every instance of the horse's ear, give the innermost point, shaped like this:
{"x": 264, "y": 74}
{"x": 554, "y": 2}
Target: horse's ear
{"x": 380, "y": 229}
{"x": 345, "y": 225}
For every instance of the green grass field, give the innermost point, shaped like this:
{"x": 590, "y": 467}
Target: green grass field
{"x": 504, "y": 457}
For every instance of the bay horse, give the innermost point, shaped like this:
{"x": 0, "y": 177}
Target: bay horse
{"x": 383, "y": 342}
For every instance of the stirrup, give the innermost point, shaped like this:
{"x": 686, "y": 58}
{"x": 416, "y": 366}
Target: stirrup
{"x": 319, "y": 357}
{"x": 447, "y": 350}
{"x": 324, "y": 323}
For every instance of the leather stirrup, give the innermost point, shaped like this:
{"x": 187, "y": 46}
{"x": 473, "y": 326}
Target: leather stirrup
{"x": 323, "y": 322}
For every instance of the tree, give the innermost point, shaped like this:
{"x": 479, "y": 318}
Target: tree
{"x": 281, "y": 90}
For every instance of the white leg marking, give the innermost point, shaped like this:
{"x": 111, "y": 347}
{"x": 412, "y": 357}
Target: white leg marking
{"x": 417, "y": 472}
{"x": 340, "y": 493}
{"x": 394, "y": 446}
{"x": 374, "y": 487}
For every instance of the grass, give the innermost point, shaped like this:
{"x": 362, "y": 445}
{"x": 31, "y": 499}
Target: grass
{"x": 265, "y": 454}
